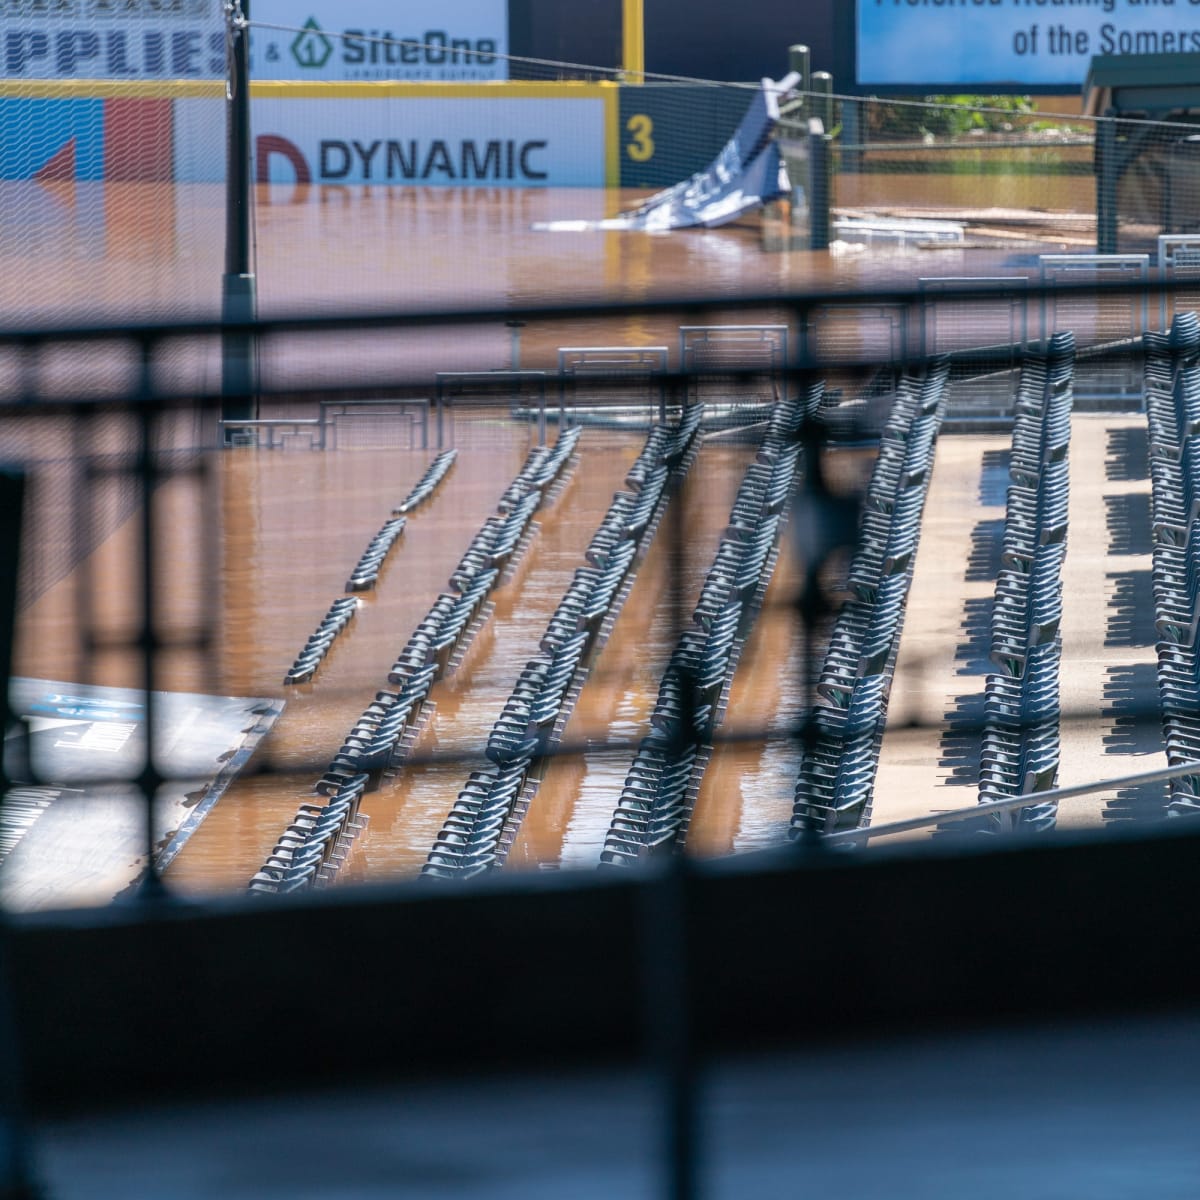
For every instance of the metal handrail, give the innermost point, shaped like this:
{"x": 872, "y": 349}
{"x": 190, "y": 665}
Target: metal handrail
{"x": 856, "y": 836}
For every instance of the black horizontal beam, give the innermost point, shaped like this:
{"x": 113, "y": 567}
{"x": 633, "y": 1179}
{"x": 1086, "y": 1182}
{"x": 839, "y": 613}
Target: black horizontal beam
{"x": 161, "y": 1000}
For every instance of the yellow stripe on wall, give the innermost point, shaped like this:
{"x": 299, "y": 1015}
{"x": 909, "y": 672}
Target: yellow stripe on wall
{"x": 612, "y": 137}
{"x": 389, "y": 88}
{"x": 633, "y": 39}
{"x": 104, "y": 89}
{"x": 171, "y": 89}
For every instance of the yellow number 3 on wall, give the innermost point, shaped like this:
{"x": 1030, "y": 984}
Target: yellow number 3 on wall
{"x": 641, "y": 148}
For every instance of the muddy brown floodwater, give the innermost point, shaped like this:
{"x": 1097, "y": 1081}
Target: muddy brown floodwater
{"x": 259, "y": 547}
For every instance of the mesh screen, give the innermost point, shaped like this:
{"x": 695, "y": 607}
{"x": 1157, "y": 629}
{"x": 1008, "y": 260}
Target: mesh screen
{"x": 106, "y": 120}
{"x": 1010, "y": 173}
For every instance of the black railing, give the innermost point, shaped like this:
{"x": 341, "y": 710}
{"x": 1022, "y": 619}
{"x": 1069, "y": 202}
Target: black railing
{"x": 673, "y": 954}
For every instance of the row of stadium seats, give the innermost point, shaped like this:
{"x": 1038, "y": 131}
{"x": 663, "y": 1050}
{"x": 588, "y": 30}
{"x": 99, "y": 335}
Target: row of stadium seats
{"x": 343, "y": 608}
{"x": 485, "y": 817}
{"x": 449, "y": 625}
{"x": 427, "y": 484}
{"x": 317, "y": 646}
{"x": 22, "y": 806}
{"x": 1020, "y": 750}
{"x": 836, "y": 779}
{"x": 390, "y": 724}
{"x": 499, "y": 543}
{"x": 654, "y": 808}
{"x": 366, "y": 571}
{"x": 315, "y": 844}
{"x": 1172, "y": 383}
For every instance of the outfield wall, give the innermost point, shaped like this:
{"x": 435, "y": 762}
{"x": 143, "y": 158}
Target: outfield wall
{"x": 501, "y": 134}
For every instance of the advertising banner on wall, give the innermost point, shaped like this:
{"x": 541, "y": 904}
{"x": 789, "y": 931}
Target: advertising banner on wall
{"x": 987, "y": 45}
{"x": 454, "y": 41}
{"x": 513, "y": 135}
{"x": 112, "y": 39}
{"x": 491, "y": 141}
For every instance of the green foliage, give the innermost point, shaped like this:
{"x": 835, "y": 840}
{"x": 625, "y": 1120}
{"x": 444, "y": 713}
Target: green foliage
{"x": 945, "y": 116}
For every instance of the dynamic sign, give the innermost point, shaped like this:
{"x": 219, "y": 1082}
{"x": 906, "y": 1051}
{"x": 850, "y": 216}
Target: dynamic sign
{"x": 493, "y": 141}
{"x": 410, "y": 160}
{"x": 112, "y": 39}
{"x": 454, "y": 41}
{"x": 1035, "y": 45}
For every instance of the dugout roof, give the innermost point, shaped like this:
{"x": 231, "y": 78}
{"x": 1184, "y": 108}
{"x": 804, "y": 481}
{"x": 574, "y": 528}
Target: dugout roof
{"x": 1150, "y": 85}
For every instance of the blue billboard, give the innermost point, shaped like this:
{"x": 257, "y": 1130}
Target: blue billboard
{"x": 1008, "y": 45}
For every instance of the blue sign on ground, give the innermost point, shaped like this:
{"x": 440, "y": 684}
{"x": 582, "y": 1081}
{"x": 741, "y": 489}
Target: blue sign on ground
{"x": 73, "y": 826}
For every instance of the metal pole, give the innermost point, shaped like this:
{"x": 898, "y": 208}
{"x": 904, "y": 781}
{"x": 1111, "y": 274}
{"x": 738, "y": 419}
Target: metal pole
{"x": 1012, "y": 803}
{"x": 666, "y": 961}
{"x": 514, "y": 351}
{"x": 1106, "y": 184}
{"x": 799, "y": 60}
{"x": 238, "y": 285}
{"x": 666, "y": 970}
{"x": 853, "y": 136}
{"x": 633, "y": 40}
{"x": 822, "y": 101}
{"x": 818, "y": 187}
{"x": 149, "y": 780}
{"x": 15, "y": 1168}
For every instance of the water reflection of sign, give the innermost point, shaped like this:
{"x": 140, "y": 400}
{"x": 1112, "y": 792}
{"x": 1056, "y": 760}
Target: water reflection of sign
{"x": 454, "y": 41}
{"x": 991, "y": 44}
